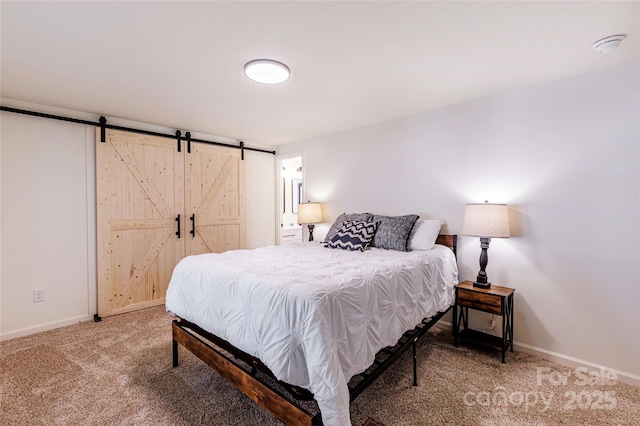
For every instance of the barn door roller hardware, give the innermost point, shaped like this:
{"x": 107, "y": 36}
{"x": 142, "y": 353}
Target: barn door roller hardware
{"x": 102, "y": 123}
{"x": 178, "y": 133}
{"x": 103, "y": 128}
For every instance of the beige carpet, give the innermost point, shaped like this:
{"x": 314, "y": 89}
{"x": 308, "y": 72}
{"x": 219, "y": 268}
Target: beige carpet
{"x": 118, "y": 372}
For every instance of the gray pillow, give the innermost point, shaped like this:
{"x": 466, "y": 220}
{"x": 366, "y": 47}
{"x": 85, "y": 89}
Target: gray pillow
{"x": 364, "y": 217}
{"x": 393, "y": 231}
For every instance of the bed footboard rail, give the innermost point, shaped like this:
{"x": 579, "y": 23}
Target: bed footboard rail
{"x": 261, "y": 393}
{"x": 211, "y": 350}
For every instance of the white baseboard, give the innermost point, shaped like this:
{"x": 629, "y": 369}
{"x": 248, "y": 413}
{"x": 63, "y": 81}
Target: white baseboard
{"x": 44, "y": 327}
{"x": 571, "y": 362}
{"x": 564, "y": 360}
{"x": 444, "y": 325}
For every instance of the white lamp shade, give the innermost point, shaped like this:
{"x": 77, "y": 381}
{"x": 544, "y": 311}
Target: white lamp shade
{"x": 486, "y": 220}
{"x": 310, "y": 213}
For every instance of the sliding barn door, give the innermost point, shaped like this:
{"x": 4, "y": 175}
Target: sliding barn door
{"x": 144, "y": 185}
{"x": 140, "y": 192}
{"x": 214, "y": 199}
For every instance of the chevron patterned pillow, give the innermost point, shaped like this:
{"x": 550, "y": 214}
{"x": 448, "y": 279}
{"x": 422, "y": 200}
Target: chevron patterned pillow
{"x": 353, "y": 235}
{"x": 365, "y": 217}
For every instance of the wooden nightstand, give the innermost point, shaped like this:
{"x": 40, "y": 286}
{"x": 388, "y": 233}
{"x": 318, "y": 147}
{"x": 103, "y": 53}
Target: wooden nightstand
{"x": 495, "y": 300}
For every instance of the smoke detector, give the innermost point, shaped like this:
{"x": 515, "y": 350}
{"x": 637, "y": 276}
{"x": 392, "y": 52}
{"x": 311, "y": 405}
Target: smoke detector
{"x": 607, "y": 44}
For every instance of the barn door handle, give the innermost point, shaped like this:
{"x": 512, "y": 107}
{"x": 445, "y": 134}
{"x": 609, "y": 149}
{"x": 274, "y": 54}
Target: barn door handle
{"x": 178, "y": 231}
{"x": 193, "y": 225}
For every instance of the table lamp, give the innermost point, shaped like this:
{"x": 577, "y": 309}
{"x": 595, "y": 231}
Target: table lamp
{"x": 310, "y": 213}
{"x": 485, "y": 220}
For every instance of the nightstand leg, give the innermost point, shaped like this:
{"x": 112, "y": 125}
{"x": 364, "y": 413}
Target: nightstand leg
{"x": 464, "y": 313}
{"x": 459, "y": 318}
{"x": 511, "y": 321}
{"x": 505, "y": 327}
{"x": 455, "y": 325}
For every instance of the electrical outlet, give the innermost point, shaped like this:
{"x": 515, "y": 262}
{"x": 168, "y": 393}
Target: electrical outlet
{"x": 493, "y": 322}
{"x": 38, "y": 295}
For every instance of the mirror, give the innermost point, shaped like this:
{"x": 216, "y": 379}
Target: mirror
{"x": 296, "y": 194}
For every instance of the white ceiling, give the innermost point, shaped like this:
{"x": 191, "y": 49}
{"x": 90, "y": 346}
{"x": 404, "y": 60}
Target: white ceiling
{"x": 180, "y": 64}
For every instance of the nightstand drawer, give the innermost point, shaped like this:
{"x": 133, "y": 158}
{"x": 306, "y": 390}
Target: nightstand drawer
{"x": 288, "y": 236}
{"x": 481, "y": 301}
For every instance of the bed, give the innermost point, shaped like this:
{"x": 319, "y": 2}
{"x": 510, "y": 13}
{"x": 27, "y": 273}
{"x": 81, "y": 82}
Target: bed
{"x": 308, "y": 316}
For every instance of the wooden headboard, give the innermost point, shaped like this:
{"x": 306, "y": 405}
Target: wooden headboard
{"x": 450, "y": 241}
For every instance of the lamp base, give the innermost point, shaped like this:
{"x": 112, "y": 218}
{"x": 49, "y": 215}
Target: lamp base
{"x": 481, "y": 285}
{"x": 482, "y": 280}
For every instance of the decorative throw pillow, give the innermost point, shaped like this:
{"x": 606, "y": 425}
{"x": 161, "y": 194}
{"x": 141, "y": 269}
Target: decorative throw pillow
{"x": 364, "y": 217}
{"x": 353, "y": 235}
{"x": 393, "y": 231}
{"x": 424, "y": 234}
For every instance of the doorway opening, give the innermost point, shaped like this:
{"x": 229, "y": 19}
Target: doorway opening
{"x": 290, "y": 193}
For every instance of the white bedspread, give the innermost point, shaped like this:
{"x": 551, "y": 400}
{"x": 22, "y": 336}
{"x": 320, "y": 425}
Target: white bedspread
{"x": 315, "y": 316}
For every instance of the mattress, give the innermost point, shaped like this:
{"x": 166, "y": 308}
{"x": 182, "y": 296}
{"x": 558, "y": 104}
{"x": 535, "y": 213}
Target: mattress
{"x": 314, "y": 316}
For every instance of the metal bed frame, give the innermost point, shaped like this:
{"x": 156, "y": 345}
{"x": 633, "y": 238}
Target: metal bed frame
{"x": 256, "y": 381}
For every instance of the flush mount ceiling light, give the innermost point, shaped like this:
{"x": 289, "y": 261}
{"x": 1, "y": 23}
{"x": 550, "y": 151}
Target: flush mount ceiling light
{"x": 607, "y": 44}
{"x": 267, "y": 71}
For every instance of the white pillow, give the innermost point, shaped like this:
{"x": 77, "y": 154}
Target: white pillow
{"x": 423, "y": 235}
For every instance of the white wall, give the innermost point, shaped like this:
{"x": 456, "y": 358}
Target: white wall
{"x": 260, "y": 199}
{"x": 44, "y": 222}
{"x": 564, "y": 156}
{"x": 47, "y": 216}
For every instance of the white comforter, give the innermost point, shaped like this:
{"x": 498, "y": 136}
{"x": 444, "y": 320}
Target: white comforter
{"x": 315, "y": 316}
